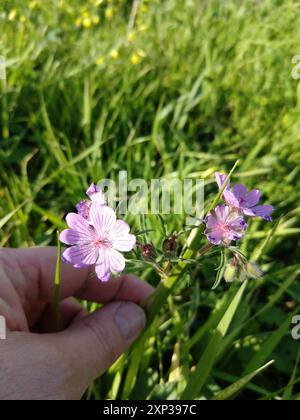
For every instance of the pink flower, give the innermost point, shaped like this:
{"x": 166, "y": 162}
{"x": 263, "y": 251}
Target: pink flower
{"x": 244, "y": 201}
{"x": 96, "y": 195}
{"x": 98, "y": 241}
{"x": 224, "y": 225}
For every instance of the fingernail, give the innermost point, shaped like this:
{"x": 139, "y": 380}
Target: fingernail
{"x": 130, "y": 319}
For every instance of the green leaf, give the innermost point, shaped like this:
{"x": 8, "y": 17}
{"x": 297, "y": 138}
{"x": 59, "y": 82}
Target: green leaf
{"x": 57, "y": 285}
{"x": 55, "y": 220}
{"x": 233, "y": 389}
{"x": 221, "y": 269}
{"x": 288, "y": 392}
{"x": 205, "y": 365}
{"x": 270, "y": 344}
{"x": 6, "y": 218}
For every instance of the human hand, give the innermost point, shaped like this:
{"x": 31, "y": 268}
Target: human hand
{"x": 38, "y": 363}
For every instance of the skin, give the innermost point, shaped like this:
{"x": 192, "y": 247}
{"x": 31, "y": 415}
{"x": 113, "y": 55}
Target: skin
{"x": 36, "y": 361}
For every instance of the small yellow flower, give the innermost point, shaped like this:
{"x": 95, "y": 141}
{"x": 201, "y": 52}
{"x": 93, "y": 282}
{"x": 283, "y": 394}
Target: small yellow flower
{"x": 114, "y": 54}
{"x": 85, "y": 14}
{"x": 32, "y": 4}
{"x": 100, "y": 61}
{"x": 131, "y": 36}
{"x": 137, "y": 57}
{"x": 144, "y": 8}
{"x": 96, "y": 20}
{"x": 12, "y": 15}
{"x": 87, "y": 23}
{"x": 143, "y": 28}
{"x": 98, "y": 2}
{"x": 109, "y": 13}
{"x": 23, "y": 19}
{"x": 78, "y": 22}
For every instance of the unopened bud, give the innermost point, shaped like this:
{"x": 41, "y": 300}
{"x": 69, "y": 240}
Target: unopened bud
{"x": 84, "y": 208}
{"x": 230, "y": 272}
{"x": 170, "y": 245}
{"x": 253, "y": 270}
{"x": 148, "y": 251}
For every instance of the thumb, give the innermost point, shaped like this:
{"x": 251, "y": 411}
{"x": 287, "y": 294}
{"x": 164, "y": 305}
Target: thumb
{"x": 94, "y": 342}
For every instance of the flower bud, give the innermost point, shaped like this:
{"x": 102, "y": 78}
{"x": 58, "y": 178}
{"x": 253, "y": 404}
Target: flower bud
{"x": 148, "y": 251}
{"x": 230, "y": 272}
{"x": 170, "y": 245}
{"x": 83, "y": 208}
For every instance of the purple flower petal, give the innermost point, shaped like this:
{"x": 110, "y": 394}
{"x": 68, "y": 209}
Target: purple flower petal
{"x": 260, "y": 211}
{"x": 211, "y": 220}
{"x": 102, "y": 268}
{"x": 231, "y": 199}
{"x": 81, "y": 265}
{"x": 125, "y": 244}
{"x": 96, "y": 194}
{"x": 214, "y": 237}
{"x": 102, "y": 273}
{"x": 252, "y": 198}
{"x": 239, "y": 191}
{"x": 81, "y": 254}
{"x": 120, "y": 237}
{"x": 120, "y": 228}
{"x": 99, "y": 198}
{"x": 116, "y": 261}
{"x": 72, "y": 237}
{"x": 81, "y": 225}
{"x": 103, "y": 218}
{"x": 222, "y": 213}
{"x": 221, "y": 178}
{"x": 84, "y": 209}
{"x": 238, "y": 224}
{"x": 233, "y": 235}
{"x": 93, "y": 189}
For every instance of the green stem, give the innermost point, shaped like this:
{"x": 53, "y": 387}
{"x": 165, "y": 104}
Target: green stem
{"x": 155, "y": 302}
{"x": 57, "y": 286}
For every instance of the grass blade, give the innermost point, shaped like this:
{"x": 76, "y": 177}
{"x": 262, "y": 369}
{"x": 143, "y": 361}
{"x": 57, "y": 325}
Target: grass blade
{"x": 7, "y": 218}
{"x": 57, "y": 286}
{"x": 270, "y": 344}
{"x": 233, "y": 389}
{"x": 210, "y": 355}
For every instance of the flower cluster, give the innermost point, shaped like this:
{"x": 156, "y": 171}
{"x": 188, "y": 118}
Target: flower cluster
{"x": 129, "y": 46}
{"x": 96, "y": 237}
{"x": 227, "y": 223}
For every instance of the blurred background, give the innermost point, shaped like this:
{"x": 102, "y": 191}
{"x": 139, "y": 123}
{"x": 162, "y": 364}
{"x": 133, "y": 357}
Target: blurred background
{"x": 172, "y": 88}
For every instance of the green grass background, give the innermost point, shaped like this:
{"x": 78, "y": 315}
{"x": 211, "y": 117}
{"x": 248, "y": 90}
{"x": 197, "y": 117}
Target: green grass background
{"x": 213, "y": 85}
